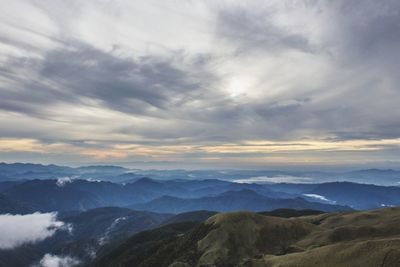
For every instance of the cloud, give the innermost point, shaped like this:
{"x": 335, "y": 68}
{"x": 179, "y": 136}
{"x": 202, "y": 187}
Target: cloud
{"x": 105, "y": 238}
{"x": 274, "y": 179}
{"x": 210, "y": 74}
{"x": 50, "y": 260}
{"x": 319, "y": 197}
{"x": 252, "y": 28}
{"x": 62, "y": 181}
{"x": 81, "y": 74}
{"x": 16, "y": 230}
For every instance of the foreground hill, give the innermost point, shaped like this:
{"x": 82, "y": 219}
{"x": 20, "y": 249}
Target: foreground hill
{"x": 357, "y": 239}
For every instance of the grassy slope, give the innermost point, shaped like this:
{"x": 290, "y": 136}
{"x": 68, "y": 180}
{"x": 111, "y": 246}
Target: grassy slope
{"x": 337, "y": 239}
{"x": 353, "y": 239}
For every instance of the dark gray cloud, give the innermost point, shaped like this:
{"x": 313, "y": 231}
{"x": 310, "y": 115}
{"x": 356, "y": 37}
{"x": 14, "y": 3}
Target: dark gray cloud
{"x": 79, "y": 72}
{"x": 252, "y": 29}
{"x": 368, "y": 28}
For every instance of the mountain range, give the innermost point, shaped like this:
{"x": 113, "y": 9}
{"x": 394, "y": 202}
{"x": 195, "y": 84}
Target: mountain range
{"x": 188, "y": 195}
{"x": 230, "y": 201}
{"x": 159, "y": 196}
{"x": 114, "y": 216}
{"x": 117, "y": 174}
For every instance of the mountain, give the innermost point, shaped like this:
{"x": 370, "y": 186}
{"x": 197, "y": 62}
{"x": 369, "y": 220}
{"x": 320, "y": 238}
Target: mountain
{"x": 373, "y": 176}
{"x": 176, "y": 196}
{"x": 147, "y": 188}
{"x": 290, "y": 213}
{"x": 66, "y": 194}
{"x": 141, "y": 247}
{"x": 357, "y": 239}
{"x": 202, "y": 215}
{"x": 230, "y": 201}
{"x": 9, "y": 184}
{"x": 29, "y": 171}
{"x": 13, "y": 207}
{"x": 107, "y": 169}
{"x": 112, "y": 222}
{"x": 209, "y": 187}
{"x": 191, "y": 216}
{"x": 46, "y": 195}
{"x": 20, "y": 168}
{"x": 357, "y": 196}
{"x": 292, "y": 188}
{"x": 96, "y": 229}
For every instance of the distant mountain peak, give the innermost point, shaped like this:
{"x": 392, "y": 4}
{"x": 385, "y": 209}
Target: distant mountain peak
{"x": 242, "y": 192}
{"x": 145, "y": 181}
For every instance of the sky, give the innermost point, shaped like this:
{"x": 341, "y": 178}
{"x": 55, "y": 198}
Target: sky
{"x": 201, "y": 84}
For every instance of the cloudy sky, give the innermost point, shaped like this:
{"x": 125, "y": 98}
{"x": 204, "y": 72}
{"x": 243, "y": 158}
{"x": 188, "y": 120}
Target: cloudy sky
{"x": 200, "y": 83}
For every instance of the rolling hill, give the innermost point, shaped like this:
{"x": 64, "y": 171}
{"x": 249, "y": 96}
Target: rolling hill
{"x": 357, "y": 239}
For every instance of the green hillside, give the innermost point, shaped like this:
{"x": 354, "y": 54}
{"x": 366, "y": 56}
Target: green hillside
{"x": 353, "y": 239}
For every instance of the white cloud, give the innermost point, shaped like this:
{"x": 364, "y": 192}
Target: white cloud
{"x": 16, "y": 230}
{"x": 319, "y": 197}
{"x": 273, "y": 179}
{"x": 93, "y": 180}
{"x": 105, "y": 238}
{"x": 385, "y": 205}
{"x": 50, "y": 260}
{"x": 62, "y": 181}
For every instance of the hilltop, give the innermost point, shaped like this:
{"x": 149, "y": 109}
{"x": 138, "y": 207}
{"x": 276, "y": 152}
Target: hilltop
{"x": 364, "y": 239}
